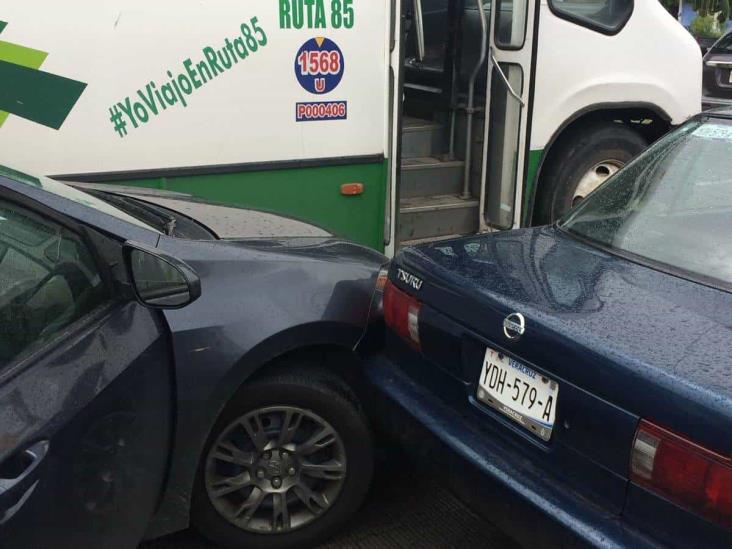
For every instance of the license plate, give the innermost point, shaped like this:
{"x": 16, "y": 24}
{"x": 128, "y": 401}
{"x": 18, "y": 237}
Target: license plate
{"x": 518, "y": 392}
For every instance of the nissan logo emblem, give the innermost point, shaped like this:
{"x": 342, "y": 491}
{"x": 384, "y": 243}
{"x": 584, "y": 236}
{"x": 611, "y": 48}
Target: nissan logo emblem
{"x": 514, "y": 326}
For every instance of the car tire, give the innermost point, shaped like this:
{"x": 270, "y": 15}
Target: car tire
{"x": 580, "y": 162}
{"x": 317, "y": 396}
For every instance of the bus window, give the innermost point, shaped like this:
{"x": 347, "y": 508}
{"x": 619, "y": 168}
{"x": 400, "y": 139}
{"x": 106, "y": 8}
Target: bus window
{"x": 510, "y": 31}
{"x": 503, "y": 147}
{"x": 607, "y": 16}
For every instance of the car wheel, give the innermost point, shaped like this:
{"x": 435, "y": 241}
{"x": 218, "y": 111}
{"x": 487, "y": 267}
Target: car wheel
{"x": 286, "y": 465}
{"x": 582, "y": 162}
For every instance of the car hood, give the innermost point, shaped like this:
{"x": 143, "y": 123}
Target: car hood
{"x": 247, "y": 285}
{"x": 226, "y": 221}
{"x": 611, "y": 314}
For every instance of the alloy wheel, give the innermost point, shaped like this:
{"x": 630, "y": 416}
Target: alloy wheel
{"x": 275, "y": 469}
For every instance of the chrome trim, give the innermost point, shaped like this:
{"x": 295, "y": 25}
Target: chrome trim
{"x": 514, "y": 326}
{"x": 516, "y": 96}
{"x": 470, "y": 109}
{"x": 722, "y": 64}
{"x": 419, "y": 23}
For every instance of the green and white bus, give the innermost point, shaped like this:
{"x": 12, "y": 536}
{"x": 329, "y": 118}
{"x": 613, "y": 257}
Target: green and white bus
{"x": 366, "y": 117}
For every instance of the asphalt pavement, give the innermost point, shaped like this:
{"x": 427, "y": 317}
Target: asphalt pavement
{"x": 406, "y": 508}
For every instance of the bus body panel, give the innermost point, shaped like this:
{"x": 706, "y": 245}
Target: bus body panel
{"x": 640, "y": 65}
{"x": 214, "y": 98}
{"x": 636, "y": 68}
{"x": 207, "y": 96}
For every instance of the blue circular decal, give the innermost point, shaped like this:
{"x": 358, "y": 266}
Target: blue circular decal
{"x": 319, "y": 65}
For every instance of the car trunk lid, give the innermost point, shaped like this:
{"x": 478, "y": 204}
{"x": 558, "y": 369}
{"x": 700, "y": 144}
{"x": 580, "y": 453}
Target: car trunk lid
{"x": 623, "y": 341}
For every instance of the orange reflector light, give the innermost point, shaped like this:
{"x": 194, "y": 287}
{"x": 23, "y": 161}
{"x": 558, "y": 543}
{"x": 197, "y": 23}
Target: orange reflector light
{"x": 352, "y": 189}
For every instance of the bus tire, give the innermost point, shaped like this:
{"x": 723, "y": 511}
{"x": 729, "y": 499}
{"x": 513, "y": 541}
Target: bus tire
{"x": 580, "y": 162}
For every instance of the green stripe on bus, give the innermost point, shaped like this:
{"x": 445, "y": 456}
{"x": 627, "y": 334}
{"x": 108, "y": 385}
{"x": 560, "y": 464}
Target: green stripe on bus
{"x": 311, "y": 194}
{"x": 21, "y": 55}
{"x": 3, "y": 24}
{"x": 36, "y": 95}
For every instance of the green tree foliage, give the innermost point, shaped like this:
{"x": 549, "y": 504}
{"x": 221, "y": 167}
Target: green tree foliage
{"x": 706, "y": 8}
{"x": 705, "y": 26}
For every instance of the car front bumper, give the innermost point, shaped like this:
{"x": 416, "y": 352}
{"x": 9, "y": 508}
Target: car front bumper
{"x": 495, "y": 481}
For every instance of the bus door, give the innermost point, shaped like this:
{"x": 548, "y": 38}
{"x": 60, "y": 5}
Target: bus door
{"x": 509, "y": 57}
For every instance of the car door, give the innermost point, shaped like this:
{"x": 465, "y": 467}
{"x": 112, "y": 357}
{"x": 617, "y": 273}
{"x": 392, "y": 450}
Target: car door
{"x": 85, "y": 389}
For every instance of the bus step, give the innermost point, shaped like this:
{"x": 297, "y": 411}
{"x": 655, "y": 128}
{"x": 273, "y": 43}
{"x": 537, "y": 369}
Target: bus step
{"x": 421, "y": 137}
{"x": 436, "y": 216}
{"x": 417, "y": 241}
{"x": 429, "y": 176}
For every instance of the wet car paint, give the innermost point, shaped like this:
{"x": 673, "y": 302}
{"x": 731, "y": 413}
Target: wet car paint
{"x": 302, "y": 292}
{"x": 623, "y": 340}
{"x": 226, "y": 221}
{"x": 260, "y": 299}
{"x": 105, "y": 410}
{"x": 666, "y": 332}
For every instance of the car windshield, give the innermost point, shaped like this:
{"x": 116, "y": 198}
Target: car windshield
{"x": 70, "y": 193}
{"x": 672, "y": 206}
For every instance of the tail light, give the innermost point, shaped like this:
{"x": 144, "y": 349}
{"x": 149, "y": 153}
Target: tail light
{"x": 376, "y": 311}
{"x": 401, "y": 313}
{"x": 684, "y": 472}
{"x": 382, "y": 278}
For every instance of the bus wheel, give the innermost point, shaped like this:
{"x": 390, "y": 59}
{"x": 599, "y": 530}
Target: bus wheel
{"x": 580, "y": 162}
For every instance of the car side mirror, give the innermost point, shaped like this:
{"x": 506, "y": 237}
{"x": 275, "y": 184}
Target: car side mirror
{"x": 159, "y": 280}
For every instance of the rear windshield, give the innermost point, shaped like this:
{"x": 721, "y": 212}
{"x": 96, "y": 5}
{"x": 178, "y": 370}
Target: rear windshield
{"x": 672, "y": 206}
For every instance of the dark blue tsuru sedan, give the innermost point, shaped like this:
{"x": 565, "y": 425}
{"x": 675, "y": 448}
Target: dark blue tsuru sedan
{"x": 575, "y": 381}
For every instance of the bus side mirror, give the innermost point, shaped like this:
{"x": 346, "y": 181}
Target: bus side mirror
{"x": 160, "y": 281}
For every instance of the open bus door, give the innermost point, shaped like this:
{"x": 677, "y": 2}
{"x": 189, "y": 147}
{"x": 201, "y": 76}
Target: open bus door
{"x": 510, "y": 57}
{"x": 393, "y": 147}
{"x": 465, "y": 62}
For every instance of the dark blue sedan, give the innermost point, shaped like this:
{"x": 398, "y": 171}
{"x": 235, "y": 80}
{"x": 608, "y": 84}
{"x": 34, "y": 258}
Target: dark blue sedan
{"x": 166, "y": 362}
{"x": 574, "y": 382}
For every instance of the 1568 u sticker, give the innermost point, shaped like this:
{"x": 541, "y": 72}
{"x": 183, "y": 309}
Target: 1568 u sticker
{"x": 319, "y": 65}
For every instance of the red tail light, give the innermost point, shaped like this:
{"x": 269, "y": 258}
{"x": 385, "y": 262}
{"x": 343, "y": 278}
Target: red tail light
{"x": 684, "y": 472}
{"x": 401, "y": 313}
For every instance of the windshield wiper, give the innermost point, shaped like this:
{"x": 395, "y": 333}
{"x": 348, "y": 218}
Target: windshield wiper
{"x": 140, "y": 210}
